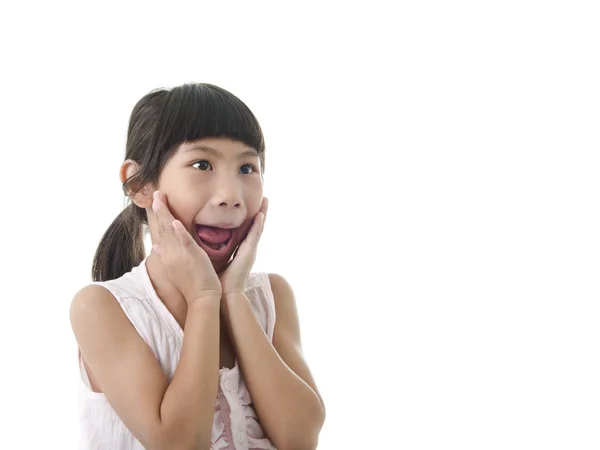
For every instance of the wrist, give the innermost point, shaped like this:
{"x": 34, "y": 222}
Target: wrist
{"x": 234, "y": 296}
{"x": 230, "y": 300}
{"x": 203, "y": 300}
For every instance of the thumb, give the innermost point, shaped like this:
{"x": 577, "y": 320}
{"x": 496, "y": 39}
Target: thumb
{"x": 184, "y": 237}
{"x": 250, "y": 244}
{"x": 257, "y": 227}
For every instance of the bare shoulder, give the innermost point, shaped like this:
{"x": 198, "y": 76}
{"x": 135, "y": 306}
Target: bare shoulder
{"x": 92, "y": 293}
{"x": 282, "y": 289}
{"x": 93, "y": 301}
{"x": 98, "y": 321}
{"x": 283, "y": 294}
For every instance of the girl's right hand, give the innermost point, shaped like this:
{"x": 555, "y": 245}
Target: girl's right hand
{"x": 186, "y": 263}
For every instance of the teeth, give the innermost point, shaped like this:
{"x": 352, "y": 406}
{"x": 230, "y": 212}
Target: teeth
{"x": 219, "y": 246}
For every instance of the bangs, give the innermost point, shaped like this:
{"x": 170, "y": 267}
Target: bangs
{"x": 196, "y": 111}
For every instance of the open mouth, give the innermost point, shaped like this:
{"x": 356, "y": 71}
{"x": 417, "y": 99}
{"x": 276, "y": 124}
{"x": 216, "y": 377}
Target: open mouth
{"x": 220, "y": 246}
{"x": 214, "y": 240}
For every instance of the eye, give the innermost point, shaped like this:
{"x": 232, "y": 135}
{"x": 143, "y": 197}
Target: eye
{"x": 247, "y": 169}
{"x": 202, "y": 165}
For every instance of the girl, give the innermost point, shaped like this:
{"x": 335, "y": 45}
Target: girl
{"x": 185, "y": 348}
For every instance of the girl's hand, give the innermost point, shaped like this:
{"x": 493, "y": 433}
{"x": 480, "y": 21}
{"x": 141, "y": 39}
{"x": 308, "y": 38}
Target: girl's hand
{"x": 233, "y": 278}
{"x": 185, "y": 262}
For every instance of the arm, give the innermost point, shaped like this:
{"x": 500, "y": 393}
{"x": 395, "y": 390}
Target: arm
{"x": 282, "y": 388}
{"x": 160, "y": 415}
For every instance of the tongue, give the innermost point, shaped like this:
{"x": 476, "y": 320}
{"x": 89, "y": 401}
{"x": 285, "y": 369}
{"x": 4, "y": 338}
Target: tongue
{"x": 212, "y": 235}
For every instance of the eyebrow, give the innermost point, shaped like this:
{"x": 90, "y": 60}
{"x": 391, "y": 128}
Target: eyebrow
{"x": 219, "y": 153}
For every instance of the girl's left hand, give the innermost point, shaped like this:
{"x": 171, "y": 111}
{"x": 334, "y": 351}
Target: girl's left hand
{"x": 233, "y": 278}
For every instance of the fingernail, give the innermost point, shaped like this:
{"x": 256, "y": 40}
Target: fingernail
{"x": 155, "y": 205}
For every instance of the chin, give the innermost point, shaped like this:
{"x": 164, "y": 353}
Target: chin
{"x": 221, "y": 263}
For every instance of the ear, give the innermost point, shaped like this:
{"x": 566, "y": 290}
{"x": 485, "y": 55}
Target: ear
{"x": 143, "y": 197}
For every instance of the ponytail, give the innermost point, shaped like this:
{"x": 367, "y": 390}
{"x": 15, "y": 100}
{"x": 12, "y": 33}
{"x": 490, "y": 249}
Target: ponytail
{"x": 122, "y": 246}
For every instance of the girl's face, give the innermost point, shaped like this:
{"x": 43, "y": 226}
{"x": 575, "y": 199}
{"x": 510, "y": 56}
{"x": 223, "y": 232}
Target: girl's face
{"x": 214, "y": 186}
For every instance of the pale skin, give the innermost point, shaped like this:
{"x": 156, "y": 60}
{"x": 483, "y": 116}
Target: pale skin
{"x": 220, "y": 327}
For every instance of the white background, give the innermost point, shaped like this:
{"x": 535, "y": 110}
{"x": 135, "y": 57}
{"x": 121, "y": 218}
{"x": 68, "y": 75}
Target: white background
{"x": 433, "y": 175}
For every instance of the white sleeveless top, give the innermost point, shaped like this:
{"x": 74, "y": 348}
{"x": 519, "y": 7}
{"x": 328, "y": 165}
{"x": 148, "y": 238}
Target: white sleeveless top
{"x": 235, "y": 424}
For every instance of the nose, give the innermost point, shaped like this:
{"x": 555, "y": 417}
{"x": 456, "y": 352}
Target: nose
{"x": 226, "y": 193}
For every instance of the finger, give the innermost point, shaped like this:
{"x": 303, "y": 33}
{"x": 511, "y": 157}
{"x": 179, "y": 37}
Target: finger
{"x": 249, "y": 245}
{"x": 163, "y": 215}
{"x": 256, "y": 229}
{"x": 184, "y": 237}
{"x": 264, "y": 208}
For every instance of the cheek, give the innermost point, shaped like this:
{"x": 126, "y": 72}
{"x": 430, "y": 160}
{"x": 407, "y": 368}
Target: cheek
{"x": 253, "y": 206}
{"x": 181, "y": 209}
{"x": 254, "y": 199}
{"x": 245, "y": 228}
